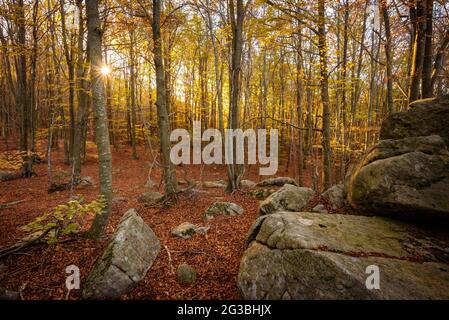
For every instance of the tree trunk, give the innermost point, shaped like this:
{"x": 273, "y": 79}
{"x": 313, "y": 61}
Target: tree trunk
{"x": 237, "y": 14}
{"x": 427, "y": 62}
{"x": 418, "y": 51}
{"x": 388, "y": 56}
{"x": 133, "y": 94}
{"x": 322, "y": 45}
{"x": 81, "y": 117}
{"x": 100, "y": 114}
{"x": 161, "y": 103}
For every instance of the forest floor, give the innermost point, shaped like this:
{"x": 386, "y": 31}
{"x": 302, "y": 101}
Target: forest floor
{"x": 39, "y": 273}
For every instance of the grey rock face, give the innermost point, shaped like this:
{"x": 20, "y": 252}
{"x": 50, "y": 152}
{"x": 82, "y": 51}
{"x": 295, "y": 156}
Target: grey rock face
{"x": 125, "y": 261}
{"x": 320, "y": 208}
{"x": 223, "y": 208}
{"x": 335, "y": 195}
{"x": 319, "y": 256}
{"x": 425, "y": 118}
{"x": 287, "y": 198}
{"x": 406, "y": 178}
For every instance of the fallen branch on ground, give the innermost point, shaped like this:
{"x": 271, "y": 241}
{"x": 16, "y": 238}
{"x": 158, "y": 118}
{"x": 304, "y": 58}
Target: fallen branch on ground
{"x": 10, "y": 204}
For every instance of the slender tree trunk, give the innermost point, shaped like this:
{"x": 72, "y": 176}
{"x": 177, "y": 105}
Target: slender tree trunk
{"x": 100, "y": 114}
{"x": 133, "y": 94}
{"x": 344, "y": 73}
{"x": 418, "y": 51}
{"x": 81, "y": 117}
{"x": 237, "y": 14}
{"x": 326, "y": 130}
{"x": 23, "y": 98}
{"x": 68, "y": 47}
{"x": 388, "y": 56}
{"x": 356, "y": 92}
{"x": 161, "y": 103}
{"x": 428, "y": 50}
{"x": 439, "y": 62}
{"x": 299, "y": 108}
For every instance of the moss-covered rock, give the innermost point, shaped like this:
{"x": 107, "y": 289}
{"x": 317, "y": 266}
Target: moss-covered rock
{"x": 223, "y": 208}
{"x": 406, "y": 178}
{"x": 186, "y": 274}
{"x": 287, "y": 198}
{"x": 185, "y": 230}
{"x": 424, "y": 118}
{"x": 319, "y": 256}
{"x": 125, "y": 260}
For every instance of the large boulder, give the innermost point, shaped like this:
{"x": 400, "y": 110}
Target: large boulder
{"x": 405, "y": 178}
{"x": 125, "y": 261}
{"x": 287, "y": 198}
{"x": 319, "y": 256}
{"x": 425, "y": 117}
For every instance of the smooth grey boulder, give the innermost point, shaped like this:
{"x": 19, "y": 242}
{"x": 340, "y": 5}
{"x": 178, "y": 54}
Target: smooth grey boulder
{"x": 424, "y": 118}
{"x": 318, "y": 256}
{"x": 125, "y": 261}
{"x": 287, "y": 198}
{"x": 278, "y": 181}
{"x": 335, "y": 195}
{"x": 406, "y": 179}
{"x": 223, "y": 208}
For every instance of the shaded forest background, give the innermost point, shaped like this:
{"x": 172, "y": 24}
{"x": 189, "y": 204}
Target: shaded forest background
{"x": 324, "y": 73}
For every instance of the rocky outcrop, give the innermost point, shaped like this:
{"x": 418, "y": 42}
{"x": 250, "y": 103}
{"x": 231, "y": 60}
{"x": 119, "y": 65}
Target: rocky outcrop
{"x": 405, "y": 178}
{"x": 425, "y": 118}
{"x": 320, "y": 256}
{"x": 287, "y": 198}
{"x": 125, "y": 261}
{"x": 223, "y": 208}
{"x": 278, "y": 181}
